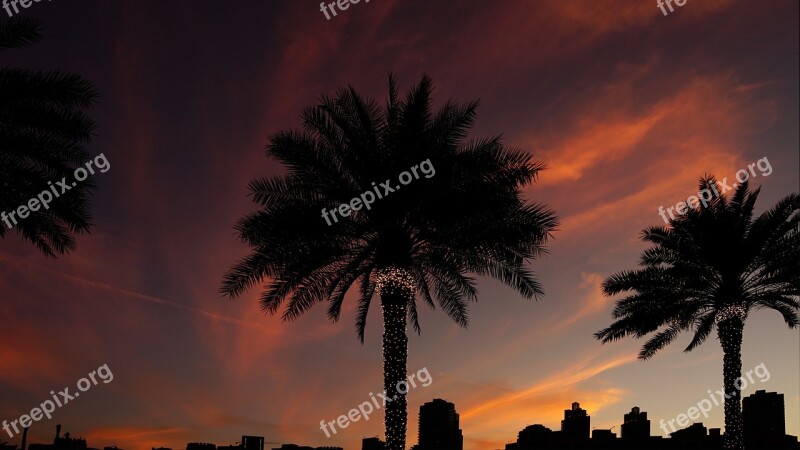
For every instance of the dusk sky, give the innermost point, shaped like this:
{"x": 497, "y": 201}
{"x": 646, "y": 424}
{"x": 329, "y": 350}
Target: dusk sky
{"x": 626, "y": 106}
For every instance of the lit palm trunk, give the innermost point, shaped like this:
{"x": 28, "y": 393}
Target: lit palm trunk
{"x": 395, "y": 345}
{"x": 730, "y": 336}
{"x": 396, "y": 291}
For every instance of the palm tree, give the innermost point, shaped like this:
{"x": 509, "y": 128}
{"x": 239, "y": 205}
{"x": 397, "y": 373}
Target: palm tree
{"x": 466, "y": 215}
{"x": 708, "y": 270}
{"x": 43, "y": 133}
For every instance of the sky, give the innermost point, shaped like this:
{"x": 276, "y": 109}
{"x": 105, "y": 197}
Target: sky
{"x": 627, "y": 106}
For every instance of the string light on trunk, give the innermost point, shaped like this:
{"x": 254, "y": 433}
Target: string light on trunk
{"x": 395, "y": 281}
{"x": 396, "y": 288}
{"x": 729, "y": 312}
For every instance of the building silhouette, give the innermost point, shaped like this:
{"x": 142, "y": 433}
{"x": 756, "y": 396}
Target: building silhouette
{"x": 304, "y": 447}
{"x": 372, "y": 443}
{"x": 575, "y": 425}
{"x": 247, "y": 443}
{"x": 601, "y": 435}
{"x": 636, "y": 425}
{"x": 200, "y": 446}
{"x": 764, "y": 421}
{"x": 534, "y": 436}
{"x": 695, "y": 430}
{"x": 253, "y": 443}
{"x": 763, "y": 415}
{"x": 438, "y": 426}
{"x": 62, "y": 443}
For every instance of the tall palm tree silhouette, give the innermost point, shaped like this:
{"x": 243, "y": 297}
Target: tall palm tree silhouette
{"x": 420, "y": 241}
{"x": 43, "y": 133}
{"x": 708, "y": 270}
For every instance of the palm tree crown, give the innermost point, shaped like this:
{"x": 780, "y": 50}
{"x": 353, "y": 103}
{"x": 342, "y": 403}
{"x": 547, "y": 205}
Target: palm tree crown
{"x": 711, "y": 263}
{"x": 469, "y": 217}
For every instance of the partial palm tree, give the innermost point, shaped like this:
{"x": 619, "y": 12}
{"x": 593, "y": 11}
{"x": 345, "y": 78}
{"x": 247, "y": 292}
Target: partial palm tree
{"x": 43, "y": 133}
{"x": 708, "y": 270}
{"x": 465, "y": 215}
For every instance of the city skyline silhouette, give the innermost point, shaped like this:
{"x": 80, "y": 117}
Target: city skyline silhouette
{"x": 264, "y": 222}
{"x": 438, "y": 429}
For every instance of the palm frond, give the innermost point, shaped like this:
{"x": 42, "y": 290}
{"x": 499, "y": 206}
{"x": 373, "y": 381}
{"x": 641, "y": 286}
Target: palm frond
{"x": 19, "y": 31}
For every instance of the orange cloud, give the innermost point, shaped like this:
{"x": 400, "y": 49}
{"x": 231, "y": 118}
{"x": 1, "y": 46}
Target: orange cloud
{"x": 134, "y": 437}
{"x": 575, "y": 374}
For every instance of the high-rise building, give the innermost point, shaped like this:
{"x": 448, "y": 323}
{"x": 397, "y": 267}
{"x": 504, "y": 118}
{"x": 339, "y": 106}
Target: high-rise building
{"x": 438, "y": 426}
{"x": 763, "y": 416}
{"x": 253, "y": 442}
{"x": 575, "y": 425}
{"x": 636, "y": 425}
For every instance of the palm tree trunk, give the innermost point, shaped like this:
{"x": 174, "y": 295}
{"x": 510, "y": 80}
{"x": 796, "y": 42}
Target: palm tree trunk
{"x": 730, "y": 336}
{"x": 396, "y": 292}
